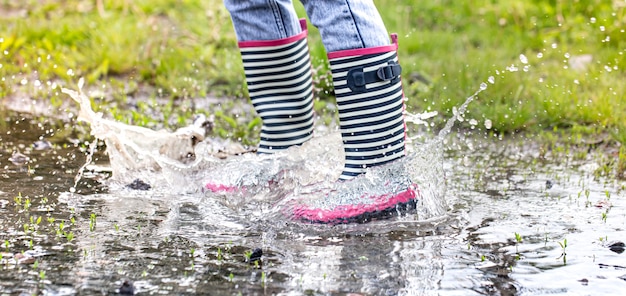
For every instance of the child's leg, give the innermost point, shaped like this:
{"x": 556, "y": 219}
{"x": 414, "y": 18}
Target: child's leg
{"x": 366, "y": 78}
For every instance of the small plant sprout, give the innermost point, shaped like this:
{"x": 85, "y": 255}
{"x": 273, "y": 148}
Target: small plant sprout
{"x": 563, "y": 254}
{"x": 92, "y": 222}
{"x": 117, "y": 227}
{"x": 69, "y": 236}
{"x": 607, "y": 194}
{"x": 604, "y": 216}
{"x": 231, "y": 276}
{"x": 18, "y": 199}
{"x": 518, "y": 239}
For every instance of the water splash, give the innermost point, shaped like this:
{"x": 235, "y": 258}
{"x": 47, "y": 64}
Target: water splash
{"x": 265, "y": 187}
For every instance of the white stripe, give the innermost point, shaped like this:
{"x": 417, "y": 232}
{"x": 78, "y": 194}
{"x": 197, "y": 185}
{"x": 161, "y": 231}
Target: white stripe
{"x": 395, "y": 88}
{"x": 372, "y": 143}
{"x": 365, "y": 103}
{"x": 372, "y": 127}
{"x": 282, "y": 112}
{"x": 372, "y": 162}
{"x": 285, "y": 143}
{"x": 281, "y": 56}
{"x": 384, "y": 151}
{"x": 370, "y": 119}
{"x": 278, "y": 85}
{"x": 272, "y": 99}
{"x": 301, "y": 89}
{"x": 300, "y": 104}
{"x": 274, "y": 70}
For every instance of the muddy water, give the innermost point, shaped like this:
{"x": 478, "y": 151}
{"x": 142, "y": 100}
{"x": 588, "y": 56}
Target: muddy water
{"x": 519, "y": 220}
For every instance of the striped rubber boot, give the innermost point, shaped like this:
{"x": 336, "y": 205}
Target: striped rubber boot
{"x": 371, "y": 104}
{"x": 278, "y": 74}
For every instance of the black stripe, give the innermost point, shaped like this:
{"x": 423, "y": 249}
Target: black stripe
{"x": 299, "y": 56}
{"x": 306, "y": 65}
{"x": 369, "y": 149}
{"x": 371, "y": 157}
{"x": 287, "y": 116}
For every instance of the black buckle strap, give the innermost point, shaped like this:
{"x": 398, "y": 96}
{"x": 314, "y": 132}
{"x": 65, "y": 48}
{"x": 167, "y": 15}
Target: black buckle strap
{"x": 357, "y": 79}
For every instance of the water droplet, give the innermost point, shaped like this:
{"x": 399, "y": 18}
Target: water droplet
{"x": 593, "y": 20}
{"x": 491, "y": 79}
{"x": 566, "y": 55}
{"x": 24, "y": 81}
{"x": 540, "y": 55}
{"x": 523, "y": 59}
{"x": 473, "y": 122}
{"x": 488, "y": 124}
{"x": 602, "y": 28}
{"x": 576, "y": 81}
{"x": 81, "y": 82}
{"x": 70, "y": 72}
{"x": 512, "y": 68}
{"x": 483, "y": 86}
{"x": 554, "y": 45}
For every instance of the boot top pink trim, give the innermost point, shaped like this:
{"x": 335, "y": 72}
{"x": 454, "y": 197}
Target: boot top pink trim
{"x": 277, "y": 42}
{"x": 365, "y": 51}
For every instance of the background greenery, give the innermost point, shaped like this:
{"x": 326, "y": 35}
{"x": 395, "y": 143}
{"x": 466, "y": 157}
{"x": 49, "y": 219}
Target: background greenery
{"x": 168, "y": 53}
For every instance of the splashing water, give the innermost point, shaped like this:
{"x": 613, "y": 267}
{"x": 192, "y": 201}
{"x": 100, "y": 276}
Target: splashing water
{"x": 267, "y": 186}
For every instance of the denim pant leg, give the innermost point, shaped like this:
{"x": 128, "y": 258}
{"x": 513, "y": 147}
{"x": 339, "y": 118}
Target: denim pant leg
{"x": 263, "y": 19}
{"x": 347, "y": 24}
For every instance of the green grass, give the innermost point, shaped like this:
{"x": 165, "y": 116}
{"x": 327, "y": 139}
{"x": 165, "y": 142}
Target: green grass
{"x": 180, "y": 50}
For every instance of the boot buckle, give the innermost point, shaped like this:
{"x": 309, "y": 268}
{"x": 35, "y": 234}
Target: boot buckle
{"x": 357, "y": 78}
{"x": 389, "y": 72}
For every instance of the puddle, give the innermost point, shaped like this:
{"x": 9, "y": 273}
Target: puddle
{"x": 516, "y": 220}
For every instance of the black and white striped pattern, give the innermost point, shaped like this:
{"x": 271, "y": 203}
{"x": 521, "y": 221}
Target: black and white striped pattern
{"x": 281, "y": 90}
{"x": 371, "y": 121}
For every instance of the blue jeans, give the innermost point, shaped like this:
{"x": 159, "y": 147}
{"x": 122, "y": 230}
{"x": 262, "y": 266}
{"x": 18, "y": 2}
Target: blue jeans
{"x": 343, "y": 24}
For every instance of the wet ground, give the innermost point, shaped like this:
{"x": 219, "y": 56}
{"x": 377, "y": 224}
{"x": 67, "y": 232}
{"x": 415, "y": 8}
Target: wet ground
{"x": 523, "y": 219}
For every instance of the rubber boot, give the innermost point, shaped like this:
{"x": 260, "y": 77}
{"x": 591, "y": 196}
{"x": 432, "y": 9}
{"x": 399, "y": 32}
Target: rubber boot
{"x": 280, "y": 85}
{"x": 371, "y": 104}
